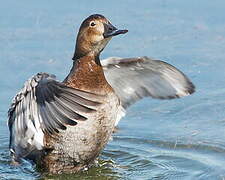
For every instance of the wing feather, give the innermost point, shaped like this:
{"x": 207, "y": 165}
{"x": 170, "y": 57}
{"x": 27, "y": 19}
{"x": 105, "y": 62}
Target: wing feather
{"x": 45, "y": 106}
{"x": 135, "y": 78}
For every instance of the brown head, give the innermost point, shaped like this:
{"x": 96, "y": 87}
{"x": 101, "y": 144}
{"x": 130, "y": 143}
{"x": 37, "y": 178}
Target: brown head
{"x": 94, "y": 33}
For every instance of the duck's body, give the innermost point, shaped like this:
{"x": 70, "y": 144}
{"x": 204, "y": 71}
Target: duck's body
{"x": 63, "y": 126}
{"x": 78, "y": 146}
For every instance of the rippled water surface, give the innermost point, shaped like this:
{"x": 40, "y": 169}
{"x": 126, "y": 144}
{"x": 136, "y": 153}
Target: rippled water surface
{"x": 176, "y": 139}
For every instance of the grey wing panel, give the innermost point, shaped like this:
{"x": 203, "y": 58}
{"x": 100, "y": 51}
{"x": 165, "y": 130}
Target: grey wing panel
{"x": 61, "y": 105}
{"x": 135, "y": 78}
{"x": 45, "y": 105}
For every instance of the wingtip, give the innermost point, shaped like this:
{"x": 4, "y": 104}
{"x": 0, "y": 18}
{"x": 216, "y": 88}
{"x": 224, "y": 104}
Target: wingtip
{"x": 190, "y": 89}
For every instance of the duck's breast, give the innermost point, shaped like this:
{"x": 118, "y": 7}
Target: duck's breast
{"x": 82, "y": 143}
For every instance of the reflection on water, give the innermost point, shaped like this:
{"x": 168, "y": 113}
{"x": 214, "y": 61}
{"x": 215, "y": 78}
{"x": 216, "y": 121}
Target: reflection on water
{"x": 104, "y": 170}
{"x": 178, "y": 139}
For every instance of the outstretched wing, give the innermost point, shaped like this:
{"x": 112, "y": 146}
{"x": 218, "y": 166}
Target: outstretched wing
{"x": 135, "y": 78}
{"x": 44, "y": 106}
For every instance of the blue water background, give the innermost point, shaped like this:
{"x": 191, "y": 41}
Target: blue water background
{"x": 176, "y": 139}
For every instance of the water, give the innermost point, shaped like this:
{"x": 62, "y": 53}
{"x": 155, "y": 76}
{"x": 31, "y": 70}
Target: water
{"x": 177, "y": 139}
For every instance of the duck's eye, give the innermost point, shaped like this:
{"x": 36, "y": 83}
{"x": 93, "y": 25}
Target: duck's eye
{"x": 92, "y": 24}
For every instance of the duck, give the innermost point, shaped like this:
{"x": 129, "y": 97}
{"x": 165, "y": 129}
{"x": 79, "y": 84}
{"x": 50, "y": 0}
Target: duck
{"x": 63, "y": 126}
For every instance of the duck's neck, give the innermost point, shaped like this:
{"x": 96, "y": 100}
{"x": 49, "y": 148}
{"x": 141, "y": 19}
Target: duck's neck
{"x": 87, "y": 74}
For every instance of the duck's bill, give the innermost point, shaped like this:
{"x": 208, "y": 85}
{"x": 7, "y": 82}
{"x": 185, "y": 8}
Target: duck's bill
{"x": 115, "y": 33}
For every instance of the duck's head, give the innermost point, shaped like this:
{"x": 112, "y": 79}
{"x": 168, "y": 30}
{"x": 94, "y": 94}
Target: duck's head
{"x": 94, "y": 33}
